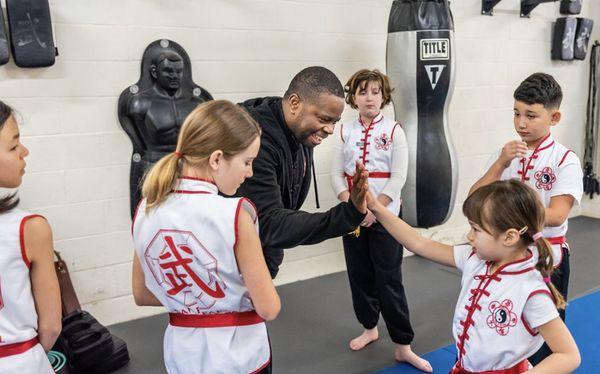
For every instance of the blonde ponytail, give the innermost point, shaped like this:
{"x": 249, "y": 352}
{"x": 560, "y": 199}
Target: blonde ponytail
{"x": 545, "y": 266}
{"x": 213, "y": 125}
{"x": 159, "y": 181}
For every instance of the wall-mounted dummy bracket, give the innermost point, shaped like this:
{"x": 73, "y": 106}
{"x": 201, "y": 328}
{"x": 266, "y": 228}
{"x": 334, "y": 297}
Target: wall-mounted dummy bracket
{"x": 528, "y": 5}
{"x": 487, "y": 6}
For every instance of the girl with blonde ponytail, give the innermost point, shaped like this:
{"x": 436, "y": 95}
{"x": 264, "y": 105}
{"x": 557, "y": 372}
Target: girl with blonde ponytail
{"x": 198, "y": 253}
{"x": 507, "y": 306}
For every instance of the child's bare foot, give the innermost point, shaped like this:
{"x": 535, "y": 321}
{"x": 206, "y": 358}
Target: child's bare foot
{"x": 405, "y": 354}
{"x": 368, "y": 336}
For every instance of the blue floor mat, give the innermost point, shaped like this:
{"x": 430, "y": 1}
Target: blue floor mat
{"x": 583, "y": 320}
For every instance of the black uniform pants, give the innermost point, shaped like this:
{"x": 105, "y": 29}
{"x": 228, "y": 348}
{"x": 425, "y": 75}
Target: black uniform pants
{"x": 560, "y": 280}
{"x": 374, "y": 263}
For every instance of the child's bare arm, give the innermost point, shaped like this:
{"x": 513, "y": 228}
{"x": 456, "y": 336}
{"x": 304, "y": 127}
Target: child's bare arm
{"x": 512, "y": 149}
{"x": 565, "y": 355}
{"x": 141, "y": 294}
{"x": 558, "y": 210}
{"x": 44, "y": 283}
{"x": 409, "y": 238}
{"x": 252, "y": 265}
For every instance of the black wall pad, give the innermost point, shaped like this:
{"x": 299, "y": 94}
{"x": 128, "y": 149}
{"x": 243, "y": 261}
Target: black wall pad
{"x": 582, "y": 37}
{"x": 3, "y": 41}
{"x": 570, "y": 6}
{"x": 487, "y": 6}
{"x": 563, "y": 42}
{"x": 30, "y": 28}
{"x": 528, "y": 5}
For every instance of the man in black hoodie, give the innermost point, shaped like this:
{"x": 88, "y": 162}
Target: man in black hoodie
{"x": 291, "y": 127}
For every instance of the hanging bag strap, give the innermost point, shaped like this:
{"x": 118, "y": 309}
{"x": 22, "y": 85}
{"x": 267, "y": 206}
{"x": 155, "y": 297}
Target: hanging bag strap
{"x": 68, "y": 297}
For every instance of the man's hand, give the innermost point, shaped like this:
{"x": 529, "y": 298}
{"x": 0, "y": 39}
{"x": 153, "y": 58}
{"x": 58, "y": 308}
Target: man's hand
{"x": 511, "y": 150}
{"x": 360, "y": 186}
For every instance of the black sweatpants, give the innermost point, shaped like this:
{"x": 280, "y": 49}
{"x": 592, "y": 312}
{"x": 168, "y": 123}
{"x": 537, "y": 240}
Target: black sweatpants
{"x": 374, "y": 263}
{"x": 560, "y": 280}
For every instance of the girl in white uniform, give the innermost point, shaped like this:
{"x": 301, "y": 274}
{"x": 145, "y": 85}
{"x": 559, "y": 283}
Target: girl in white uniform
{"x": 373, "y": 257}
{"x": 507, "y": 306}
{"x": 198, "y": 254}
{"x": 30, "y": 311}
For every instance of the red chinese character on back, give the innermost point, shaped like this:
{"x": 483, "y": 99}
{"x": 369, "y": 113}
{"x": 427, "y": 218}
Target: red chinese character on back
{"x": 185, "y": 269}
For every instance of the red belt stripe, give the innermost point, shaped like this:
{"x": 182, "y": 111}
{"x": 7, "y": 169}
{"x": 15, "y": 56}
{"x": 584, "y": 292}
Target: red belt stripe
{"x": 215, "y": 320}
{"x": 521, "y": 367}
{"x": 17, "y": 348}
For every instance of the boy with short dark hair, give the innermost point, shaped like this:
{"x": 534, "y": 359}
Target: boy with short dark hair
{"x": 550, "y": 168}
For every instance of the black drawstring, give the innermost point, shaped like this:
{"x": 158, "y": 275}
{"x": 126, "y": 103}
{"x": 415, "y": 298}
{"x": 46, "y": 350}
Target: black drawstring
{"x": 312, "y": 164}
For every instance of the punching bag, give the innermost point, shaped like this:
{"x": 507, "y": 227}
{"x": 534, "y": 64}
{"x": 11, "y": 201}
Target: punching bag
{"x": 420, "y": 63}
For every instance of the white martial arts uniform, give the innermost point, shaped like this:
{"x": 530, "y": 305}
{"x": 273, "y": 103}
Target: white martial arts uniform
{"x": 186, "y": 250}
{"x": 20, "y": 351}
{"x": 497, "y": 314}
{"x": 551, "y": 170}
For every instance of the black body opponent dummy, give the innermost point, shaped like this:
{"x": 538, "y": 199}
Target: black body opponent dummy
{"x": 420, "y": 63}
{"x": 30, "y": 29}
{"x": 152, "y": 111}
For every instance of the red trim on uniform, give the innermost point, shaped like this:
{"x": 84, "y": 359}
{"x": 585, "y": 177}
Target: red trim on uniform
{"x": 22, "y": 237}
{"x": 137, "y": 208}
{"x": 365, "y": 139}
{"x": 394, "y": 129}
{"x": 18, "y": 348}
{"x": 379, "y": 120}
{"x": 563, "y": 157}
{"x": 215, "y": 320}
{"x": 253, "y": 207}
{"x": 197, "y": 179}
{"x": 525, "y": 323}
{"x": 237, "y": 214}
{"x": 518, "y": 271}
{"x": 236, "y": 222}
{"x": 476, "y": 294}
{"x": 375, "y": 174}
{"x": 519, "y": 368}
{"x": 557, "y": 240}
{"x": 342, "y": 133}
{"x": 528, "y": 166}
{"x": 262, "y": 366}
{"x": 562, "y": 241}
{"x": 379, "y": 174}
{"x": 190, "y": 192}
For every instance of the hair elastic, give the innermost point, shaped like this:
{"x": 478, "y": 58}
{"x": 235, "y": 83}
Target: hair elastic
{"x": 178, "y": 154}
{"x": 537, "y": 236}
{"x": 546, "y": 279}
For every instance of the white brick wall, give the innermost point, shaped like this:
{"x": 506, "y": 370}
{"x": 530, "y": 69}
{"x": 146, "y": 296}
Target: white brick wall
{"x": 79, "y": 163}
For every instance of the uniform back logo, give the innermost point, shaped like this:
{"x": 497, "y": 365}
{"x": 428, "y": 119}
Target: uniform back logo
{"x": 434, "y": 72}
{"x": 501, "y": 317}
{"x": 185, "y": 268}
{"x": 545, "y": 178}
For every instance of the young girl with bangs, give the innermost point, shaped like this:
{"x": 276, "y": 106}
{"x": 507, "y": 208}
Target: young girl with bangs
{"x": 373, "y": 257}
{"x": 507, "y": 306}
